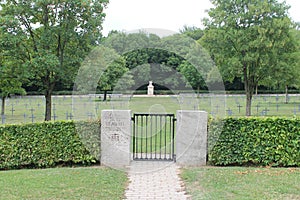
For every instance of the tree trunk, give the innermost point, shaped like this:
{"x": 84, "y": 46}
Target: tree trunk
{"x": 49, "y": 81}
{"x": 248, "y": 103}
{"x": 286, "y": 94}
{"x": 198, "y": 91}
{"x": 2, "y": 106}
{"x": 256, "y": 89}
{"x": 48, "y": 96}
{"x": 105, "y": 95}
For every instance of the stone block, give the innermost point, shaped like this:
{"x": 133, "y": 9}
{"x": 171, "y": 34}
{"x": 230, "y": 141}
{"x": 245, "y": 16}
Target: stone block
{"x": 191, "y": 138}
{"x": 115, "y": 138}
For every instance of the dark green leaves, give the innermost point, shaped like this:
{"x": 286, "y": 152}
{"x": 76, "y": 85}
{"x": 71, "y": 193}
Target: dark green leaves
{"x": 251, "y": 40}
{"x": 258, "y": 141}
{"x": 49, "y": 144}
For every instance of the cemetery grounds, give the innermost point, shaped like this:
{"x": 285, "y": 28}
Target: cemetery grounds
{"x": 103, "y": 183}
{"x": 28, "y": 109}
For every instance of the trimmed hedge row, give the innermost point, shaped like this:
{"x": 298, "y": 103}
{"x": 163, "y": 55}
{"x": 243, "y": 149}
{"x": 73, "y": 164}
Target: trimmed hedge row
{"x": 231, "y": 141}
{"x": 50, "y": 144}
{"x": 254, "y": 141}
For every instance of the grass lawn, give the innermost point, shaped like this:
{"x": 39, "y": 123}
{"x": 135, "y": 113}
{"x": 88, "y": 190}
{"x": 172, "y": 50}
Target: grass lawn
{"x": 63, "y": 183}
{"x": 242, "y": 183}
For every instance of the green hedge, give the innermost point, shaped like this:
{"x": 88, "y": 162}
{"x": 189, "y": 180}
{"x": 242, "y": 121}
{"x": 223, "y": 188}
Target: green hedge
{"x": 231, "y": 141}
{"x": 49, "y": 144}
{"x": 254, "y": 141}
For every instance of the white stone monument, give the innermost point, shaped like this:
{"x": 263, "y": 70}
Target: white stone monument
{"x": 115, "y": 138}
{"x": 150, "y": 89}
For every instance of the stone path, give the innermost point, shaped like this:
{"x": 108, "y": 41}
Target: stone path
{"x": 155, "y": 180}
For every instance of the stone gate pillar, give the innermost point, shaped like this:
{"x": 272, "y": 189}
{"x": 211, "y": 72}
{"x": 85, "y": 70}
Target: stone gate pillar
{"x": 115, "y": 138}
{"x": 191, "y": 138}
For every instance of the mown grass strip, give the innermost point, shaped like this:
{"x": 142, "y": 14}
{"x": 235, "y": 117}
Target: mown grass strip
{"x": 63, "y": 183}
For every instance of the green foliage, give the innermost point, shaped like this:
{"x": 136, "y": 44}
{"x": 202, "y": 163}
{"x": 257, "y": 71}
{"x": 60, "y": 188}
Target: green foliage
{"x": 193, "y": 32}
{"x": 258, "y": 141}
{"x": 252, "y": 40}
{"x": 59, "y": 34}
{"x": 11, "y": 71}
{"x": 115, "y": 76}
{"x": 149, "y": 57}
{"x": 49, "y": 144}
{"x": 145, "y": 58}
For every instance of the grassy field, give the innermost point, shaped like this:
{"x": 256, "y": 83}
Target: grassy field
{"x": 242, "y": 183}
{"x": 31, "y": 108}
{"x": 63, "y": 183}
{"x": 103, "y": 183}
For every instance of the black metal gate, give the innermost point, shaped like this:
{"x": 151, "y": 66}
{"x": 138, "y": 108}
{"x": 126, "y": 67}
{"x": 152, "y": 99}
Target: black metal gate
{"x": 153, "y": 137}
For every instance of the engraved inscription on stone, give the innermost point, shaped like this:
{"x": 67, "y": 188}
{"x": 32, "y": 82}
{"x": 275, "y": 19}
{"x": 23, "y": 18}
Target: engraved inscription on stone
{"x": 118, "y": 123}
{"x": 114, "y": 128}
{"x": 115, "y": 137}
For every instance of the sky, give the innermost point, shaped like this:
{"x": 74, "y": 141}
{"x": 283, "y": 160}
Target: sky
{"x": 173, "y": 15}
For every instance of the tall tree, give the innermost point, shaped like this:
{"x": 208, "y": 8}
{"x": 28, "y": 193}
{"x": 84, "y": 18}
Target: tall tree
{"x": 10, "y": 83}
{"x": 289, "y": 75}
{"x": 104, "y": 69}
{"x": 194, "y": 78}
{"x": 288, "y": 68}
{"x": 247, "y": 38}
{"x": 115, "y": 77}
{"x": 11, "y": 69}
{"x": 59, "y": 33}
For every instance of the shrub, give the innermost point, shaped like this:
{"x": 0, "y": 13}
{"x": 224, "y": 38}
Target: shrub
{"x": 254, "y": 141}
{"x": 49, "y": 144}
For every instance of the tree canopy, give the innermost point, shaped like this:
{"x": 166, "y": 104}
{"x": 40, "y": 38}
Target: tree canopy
{"x": 58, "y": 35}
{"x": 45, "y": 42}
{"x": 249, "y": 39}
{"x": 11, "y": 71}
{"x": 161, "y": 60}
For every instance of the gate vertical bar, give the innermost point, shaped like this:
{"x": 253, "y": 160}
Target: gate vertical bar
{"x": 170, "y": 139}
{"x": 146, "y": 136}
{"x": 137, "y": 135}
{"x": 151, "y": 136}
{"x": 155, "y": 136}
{"x": 165, "y": 145}
{"x": 142, "y": 129}
{"x": 133, "y": 139}
{"x": 173, "y": 140}
{"x": 160, "y": 131}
